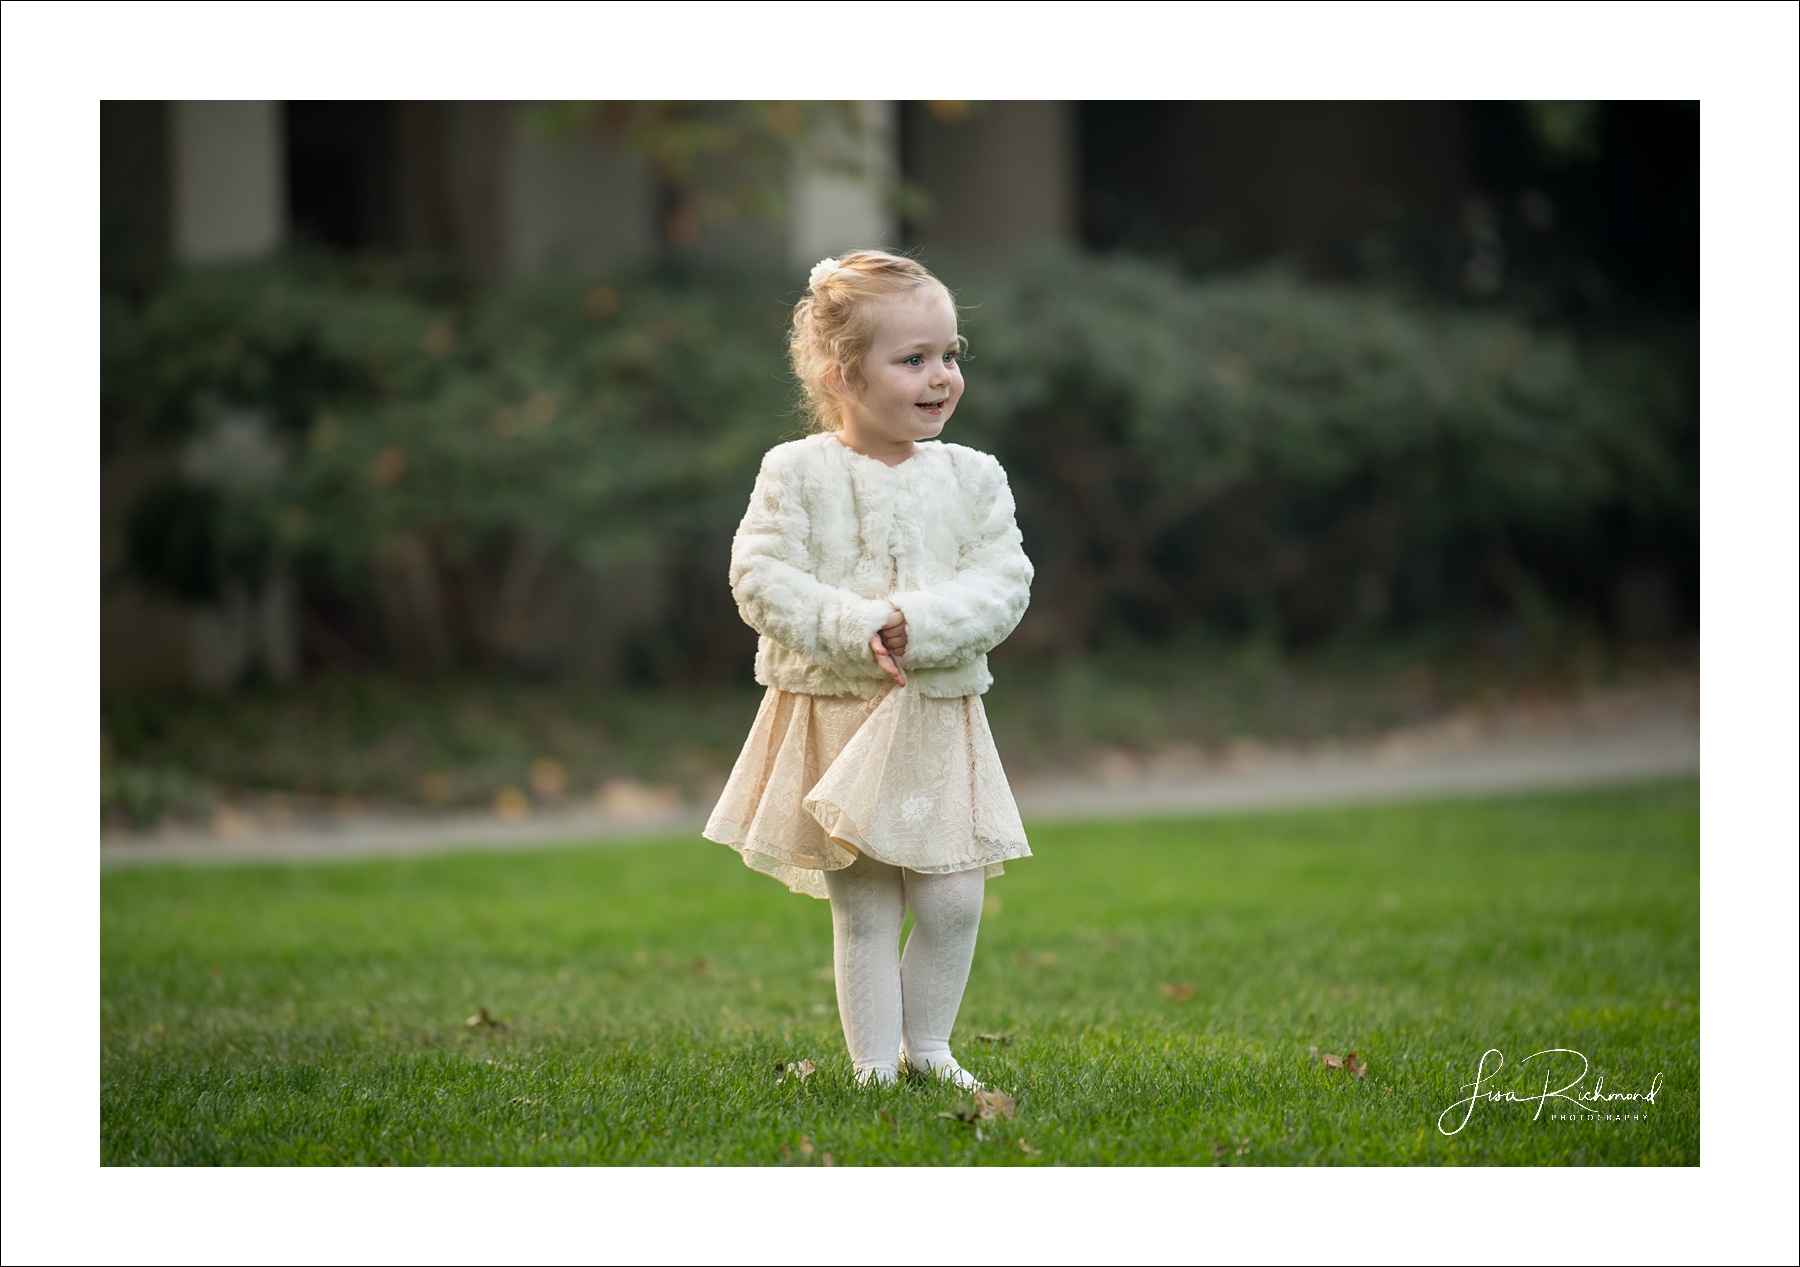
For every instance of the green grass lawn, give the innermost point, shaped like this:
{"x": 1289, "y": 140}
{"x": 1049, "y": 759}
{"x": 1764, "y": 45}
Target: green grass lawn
{"x": 647, "y": 993}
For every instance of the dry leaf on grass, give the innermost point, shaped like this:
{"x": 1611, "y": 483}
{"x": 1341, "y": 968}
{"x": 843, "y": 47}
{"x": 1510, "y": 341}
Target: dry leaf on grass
{"x": 799, "y": 1069}
{"x": 481, "y": 1018}
{"x": 1026, "y": 1148}
{"x": 994, "y": 1104}
{"x": 1178, "y": 990}
{"x": 987, "y": 1106}
{"x": 1349, "y": 1064}
{"x": 1005, "y": 1040}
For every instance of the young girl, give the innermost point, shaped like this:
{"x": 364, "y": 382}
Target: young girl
{"x": 880, "y": 566}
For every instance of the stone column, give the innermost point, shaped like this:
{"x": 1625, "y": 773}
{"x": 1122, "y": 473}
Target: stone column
{"x": 228, "y": 186}
{"x": 832, "y": 211}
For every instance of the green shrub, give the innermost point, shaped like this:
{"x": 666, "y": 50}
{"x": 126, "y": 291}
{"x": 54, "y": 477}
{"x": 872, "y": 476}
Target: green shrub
{"x": 1252, "y": 453}
{"x": 1306, "y": 461}
{"x": 144, "y": 796}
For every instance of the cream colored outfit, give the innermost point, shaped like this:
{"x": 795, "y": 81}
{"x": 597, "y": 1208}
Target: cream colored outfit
{"x": 840, "y": 762}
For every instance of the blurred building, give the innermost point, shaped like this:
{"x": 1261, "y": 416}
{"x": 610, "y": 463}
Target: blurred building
{"x": 223, "y": 180}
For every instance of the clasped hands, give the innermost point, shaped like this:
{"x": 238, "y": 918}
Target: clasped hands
{"x": 889, "y": 644}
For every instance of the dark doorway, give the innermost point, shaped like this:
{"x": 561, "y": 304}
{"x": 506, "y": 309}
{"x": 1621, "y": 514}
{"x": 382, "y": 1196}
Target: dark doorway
{"x": 342, "y": 174}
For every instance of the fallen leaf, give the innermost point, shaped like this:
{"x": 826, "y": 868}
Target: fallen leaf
{"x": 994, "y": 1104}
{"x": 1178, "y": 990}
{"x": 482, "y": 1018}
{"x": 800, "y": 1069}
{"x": 1005, "y": 1040}
{"x": 827, "y": 1159}
{"x": 1350, "y": 1064}
{"x": 1243, "y": 1145}
{"x": 1026, "y": 1148}
{"x": 699, "y": 966}
{"x": 987, "y": 1106}
{"x": 806, "y": 1146}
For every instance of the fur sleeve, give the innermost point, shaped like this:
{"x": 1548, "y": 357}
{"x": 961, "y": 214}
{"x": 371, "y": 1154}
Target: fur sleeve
{"x": 776, "y": 592}
{"x": 953, "y": 623}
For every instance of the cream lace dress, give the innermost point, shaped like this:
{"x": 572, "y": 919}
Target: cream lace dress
{"x": 908, "y": 779}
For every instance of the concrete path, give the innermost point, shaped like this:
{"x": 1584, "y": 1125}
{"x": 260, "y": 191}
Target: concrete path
{"x": 1599, "y": 740}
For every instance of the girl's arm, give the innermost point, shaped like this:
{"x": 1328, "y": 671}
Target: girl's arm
{"x": 780, "y": 598}
{"x": 955, "y": 622}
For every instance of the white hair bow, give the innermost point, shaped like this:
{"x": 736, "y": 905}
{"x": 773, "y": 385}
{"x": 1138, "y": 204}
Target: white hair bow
{"x": 820, "y": 271}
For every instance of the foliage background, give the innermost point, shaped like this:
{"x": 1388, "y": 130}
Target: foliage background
{"x": 1249, "y": 455}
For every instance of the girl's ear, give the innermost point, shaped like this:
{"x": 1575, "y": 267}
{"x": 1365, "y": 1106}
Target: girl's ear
{"x": 836, "y": 384}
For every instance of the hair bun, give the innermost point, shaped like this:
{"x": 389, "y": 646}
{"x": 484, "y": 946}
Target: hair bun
{"x": 820, "y": 271}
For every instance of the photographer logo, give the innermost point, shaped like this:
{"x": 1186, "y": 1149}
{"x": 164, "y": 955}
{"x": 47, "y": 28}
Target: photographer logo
{"x": 1560, "y": 1075}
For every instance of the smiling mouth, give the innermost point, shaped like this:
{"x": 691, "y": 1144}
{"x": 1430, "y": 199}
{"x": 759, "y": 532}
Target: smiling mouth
{"x": 931, "y": 404}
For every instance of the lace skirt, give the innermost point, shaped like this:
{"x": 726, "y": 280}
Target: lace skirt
{"x": 910, "y": 780}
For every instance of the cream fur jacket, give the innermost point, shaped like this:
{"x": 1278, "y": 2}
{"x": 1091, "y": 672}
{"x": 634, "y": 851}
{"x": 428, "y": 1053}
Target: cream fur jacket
{"x": 834, "y": 541}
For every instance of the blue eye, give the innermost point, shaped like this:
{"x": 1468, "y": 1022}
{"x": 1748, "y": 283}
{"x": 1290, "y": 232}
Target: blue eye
{"x": 915, "y": 360}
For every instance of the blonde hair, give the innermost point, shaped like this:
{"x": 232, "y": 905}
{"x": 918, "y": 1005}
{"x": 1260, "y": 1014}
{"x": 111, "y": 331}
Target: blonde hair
{"x": 834, "y": 323}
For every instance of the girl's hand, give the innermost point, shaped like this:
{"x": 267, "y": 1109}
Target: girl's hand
{"x": 888, "y": 644}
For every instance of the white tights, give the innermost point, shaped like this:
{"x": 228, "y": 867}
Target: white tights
{"x": 891, "y": 1003}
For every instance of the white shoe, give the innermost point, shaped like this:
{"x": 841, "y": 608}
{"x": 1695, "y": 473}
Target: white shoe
{"x": 945, "y": 1067}
{"x": 877, "y": 1077}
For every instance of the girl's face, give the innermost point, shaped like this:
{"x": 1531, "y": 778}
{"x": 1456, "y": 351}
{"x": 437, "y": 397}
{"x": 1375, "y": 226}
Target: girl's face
{"x": 911, "y": 381}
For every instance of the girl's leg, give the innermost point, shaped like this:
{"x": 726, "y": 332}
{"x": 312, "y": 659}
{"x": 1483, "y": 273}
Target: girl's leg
{"x": 868, "y": 906}
{"x": 946, "y": 914}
